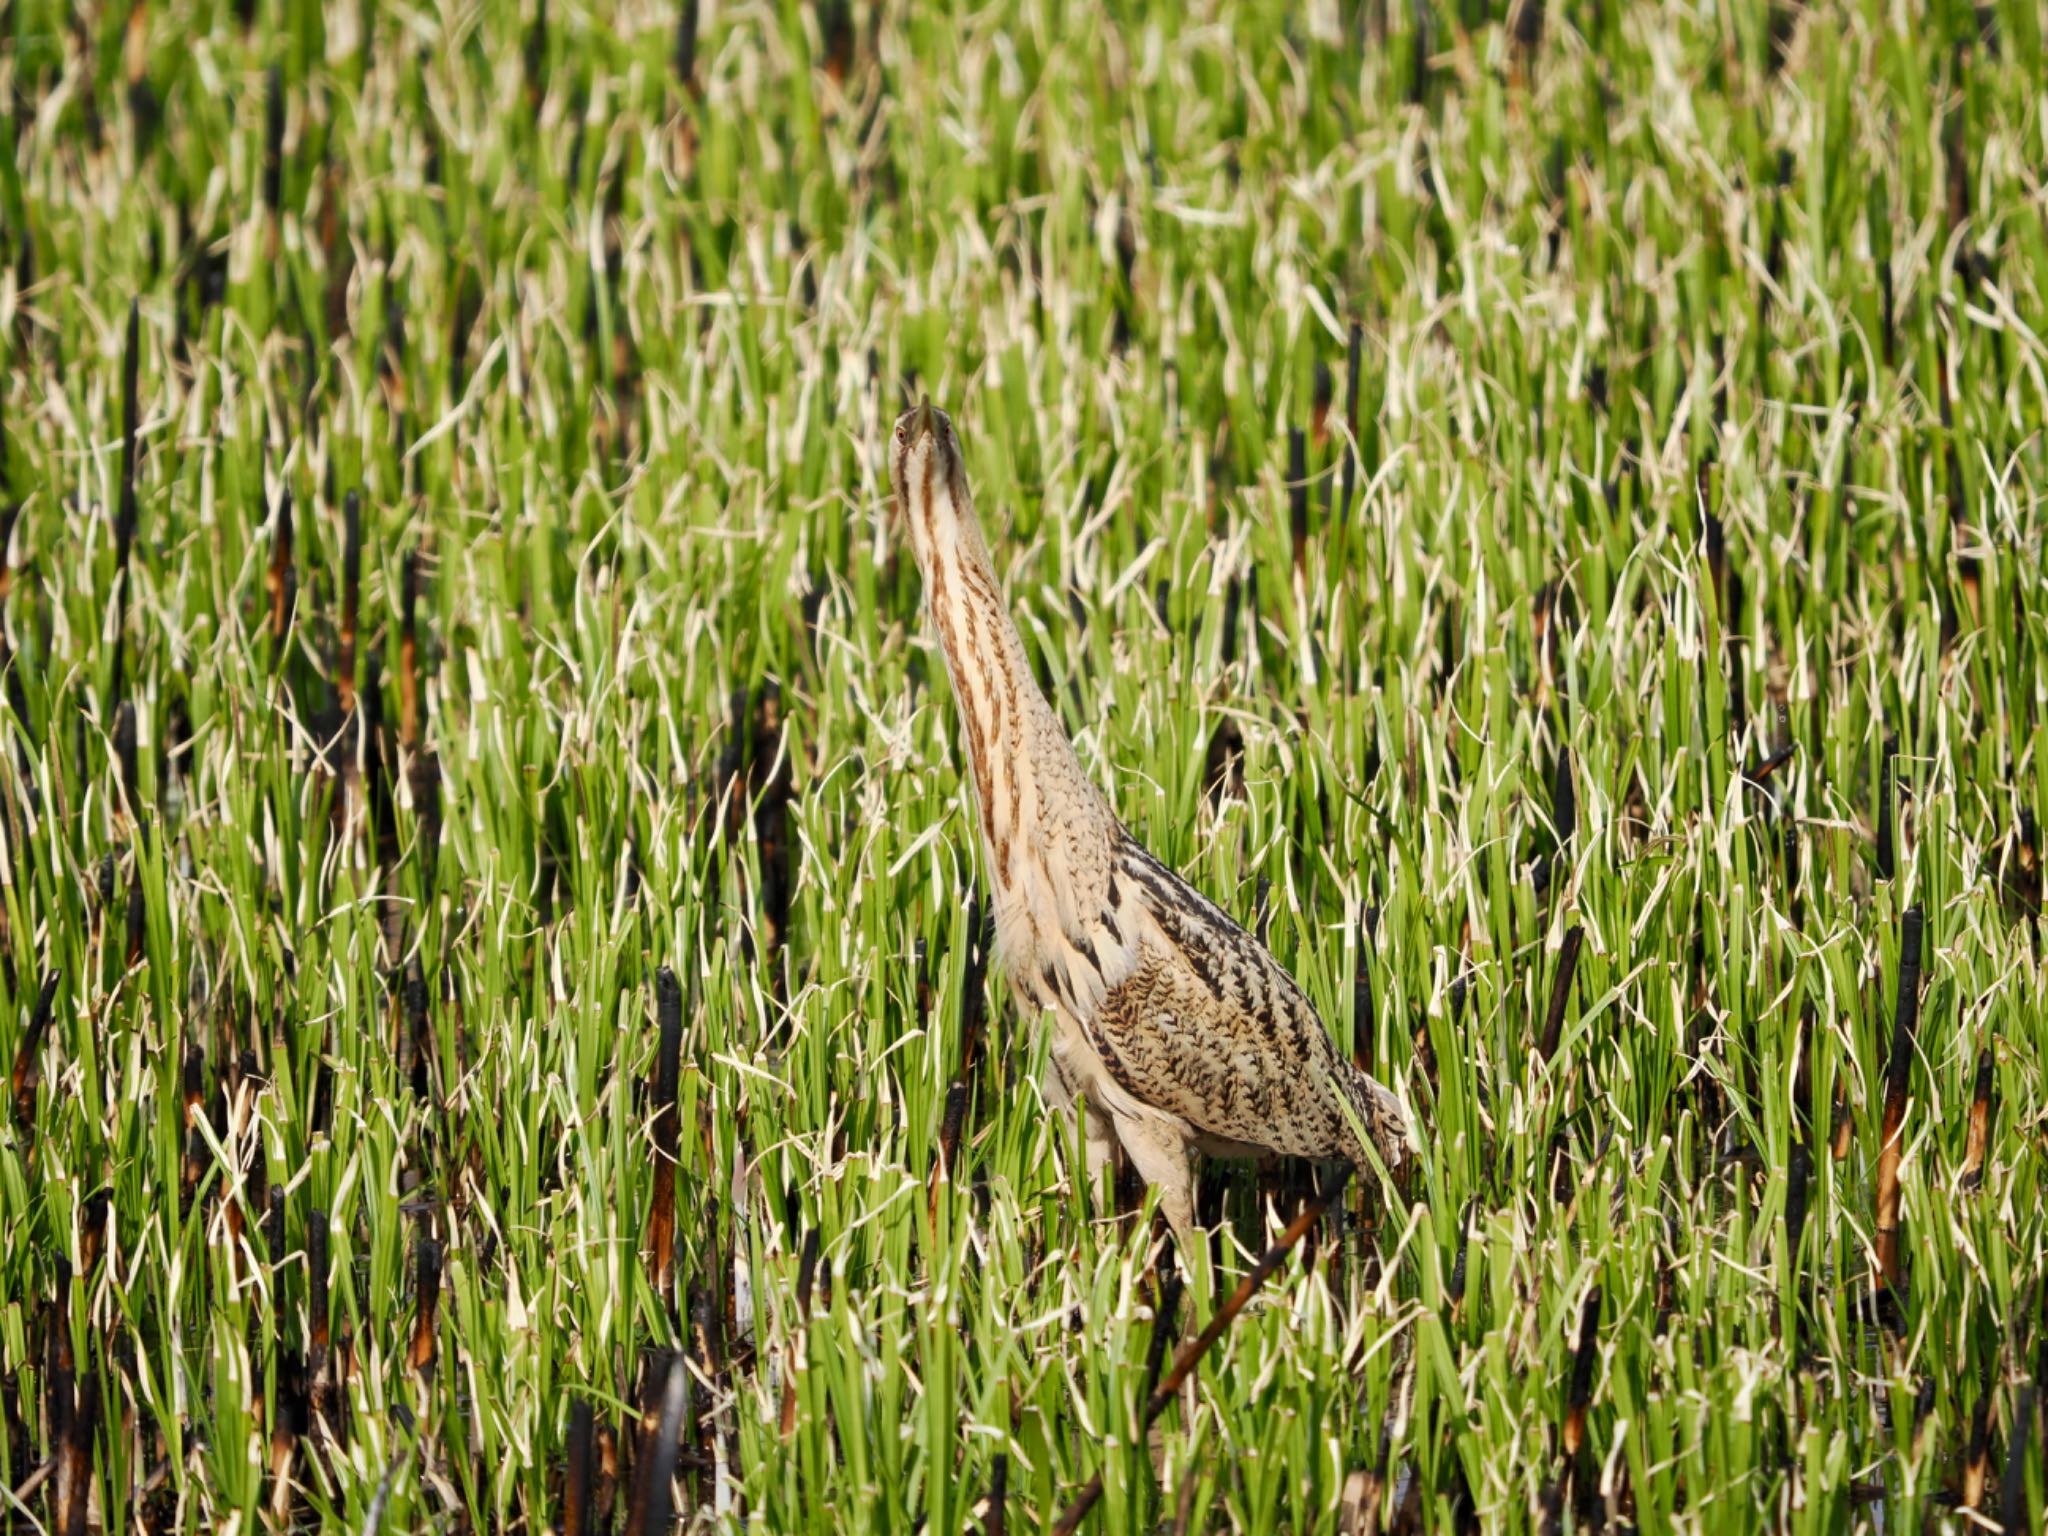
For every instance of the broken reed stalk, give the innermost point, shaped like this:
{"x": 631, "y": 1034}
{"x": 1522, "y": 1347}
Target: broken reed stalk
{"x": 1905, "y": 1018}
{"x": 1759, "y": 772}
{"x": 1190, "y": 1354}
{"x": 1561, "y": 991}
{"x": 1980, "y": 1122}
{"x": 661, "y": 1218}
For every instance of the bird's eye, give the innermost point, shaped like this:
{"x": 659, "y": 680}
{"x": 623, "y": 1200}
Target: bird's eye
{"x": 901, "y": 435}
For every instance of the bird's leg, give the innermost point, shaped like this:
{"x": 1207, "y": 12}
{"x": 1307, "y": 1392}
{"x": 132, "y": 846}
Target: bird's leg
{"x": 1160, "y": 1154}
{"x": 1098, "y": 1137}
{"x": 1159, "y": 1151}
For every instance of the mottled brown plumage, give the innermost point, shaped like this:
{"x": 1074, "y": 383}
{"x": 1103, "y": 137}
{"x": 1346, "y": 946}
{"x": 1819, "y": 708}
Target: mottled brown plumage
{"x": 1178, "y": 1029}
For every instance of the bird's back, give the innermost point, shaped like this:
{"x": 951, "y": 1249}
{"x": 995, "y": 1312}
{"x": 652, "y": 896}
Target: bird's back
{"x": 1209, "y": 1027}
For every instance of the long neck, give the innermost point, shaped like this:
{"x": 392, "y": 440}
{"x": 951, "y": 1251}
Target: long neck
{"x": 1028, "y": 782}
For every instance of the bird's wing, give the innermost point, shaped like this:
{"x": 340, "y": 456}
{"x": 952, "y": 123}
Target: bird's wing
{"x": 1208, "y": 1027}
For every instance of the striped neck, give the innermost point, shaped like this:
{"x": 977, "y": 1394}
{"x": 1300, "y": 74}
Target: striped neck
{"x": 1028, "y": 782}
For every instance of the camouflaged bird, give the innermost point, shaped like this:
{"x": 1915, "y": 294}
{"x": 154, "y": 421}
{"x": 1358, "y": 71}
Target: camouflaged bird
{"x": 1178, "y": 1029}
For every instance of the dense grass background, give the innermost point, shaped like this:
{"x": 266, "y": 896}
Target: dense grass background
{"x": 1543, "y": 512}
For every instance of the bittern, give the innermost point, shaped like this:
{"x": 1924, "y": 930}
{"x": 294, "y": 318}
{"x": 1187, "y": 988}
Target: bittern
{"x": 1178, "y": 1030}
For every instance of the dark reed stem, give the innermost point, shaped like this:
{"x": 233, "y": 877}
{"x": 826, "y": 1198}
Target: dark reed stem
{"x": 28, "y": 1053}
{"x": 1561, "y": 991}
{"x": 419, "y": 1029}
{"x": 281, "y": 581}
{"x": 1164, "y": 1318}
{"x": 661, "y": 1220}
{"x": 1297, "y": 492}
{"x": 686, "y": 46}
{"x": 2012, "y": 1487}
{"x": 1455, "y": 1291}
{"x": 427, "y": 1294}
{"x": 1579, "y": 1396}
{"x": 534, "y": 56}
{"x": 576, "y": 1476}
{"x": 273, "y": 140}
{"x": 125, "y": 754}
{"x": 1363, "y": 1019}
{"x": 1980, "y": 1121}
{"x": 1886, "y": 858}
{"x": 408, "y": 656}
{"x": 654, "y": 1499}
{"x": 351, "y": 593}
{"x": 195, "y": 1111}
{"x": 973, "y": 1017}
{"x": 1760, "y": 771}
{"x": 75, "y": 1477}
{"x": 806, "y": 1277}
{"x": 125, "y": 516}
{"x": 1977, "y": 1454}
{"x": 994, "y": 1519}
{"x": 1353, "y": 356}
{"x": 138, "y": 914}
{"x": 1798, "y": 1176}
{"x": 318, "y": 1377}
{"x": 1898, "y": 1070}
{"x": 1564, "y": 801}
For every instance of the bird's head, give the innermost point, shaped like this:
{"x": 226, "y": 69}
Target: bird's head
{"x": 931, "y": 483}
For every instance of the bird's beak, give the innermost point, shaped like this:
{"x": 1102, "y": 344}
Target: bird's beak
{"x": 922, "y": 422}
